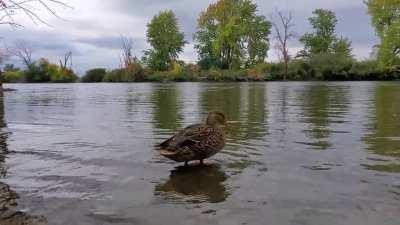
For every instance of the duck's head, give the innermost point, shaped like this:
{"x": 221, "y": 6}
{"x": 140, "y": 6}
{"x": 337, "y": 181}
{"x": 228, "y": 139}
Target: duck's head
{"x": 216, "y": 119}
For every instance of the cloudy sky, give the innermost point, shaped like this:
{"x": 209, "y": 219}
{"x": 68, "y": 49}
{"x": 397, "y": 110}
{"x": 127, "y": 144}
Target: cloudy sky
{"x": 92, "y": 29}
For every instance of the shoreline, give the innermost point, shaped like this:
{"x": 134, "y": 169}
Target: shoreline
{"x": 8, "y": 213}
{"x": 223, "y": 81}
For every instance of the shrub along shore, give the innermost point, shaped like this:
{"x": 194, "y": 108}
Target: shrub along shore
{"x": 325, "y": 68}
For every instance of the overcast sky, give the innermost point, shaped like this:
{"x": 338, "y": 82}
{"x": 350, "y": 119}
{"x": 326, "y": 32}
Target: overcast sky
{"x": 92, "y": 29}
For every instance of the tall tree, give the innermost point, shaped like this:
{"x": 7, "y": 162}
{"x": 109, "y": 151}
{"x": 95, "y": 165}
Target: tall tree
{"x": 283, "y": 34}
{"x": 230, "y": 33}
{"x": 165, "y": 39}
{"x": 386, "y": 20}
{"x": 324, "y": 40}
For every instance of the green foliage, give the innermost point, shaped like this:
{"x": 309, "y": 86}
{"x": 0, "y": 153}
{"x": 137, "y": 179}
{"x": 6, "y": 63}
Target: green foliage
{"x": 384, "y": 13}
{"x": 231, "y": 35}
{"x": 389, "y": 52}
{"x": 36, "y": 72}
{"x": 300, "y": 70}
{"x": 94, "y": 75}
{"x": 366, "y": 70}
{"x": 13, "y": 76}
{"x": 342, "y": 47}
{"x": 10, "y": 67}
{"x": 63, "y": 76}
{"x": 178, "y": 73}
{"x": 114, "y": 75}
{"x": 134, "y": 72}
{"x": 41, "y": 71}
{"x": 330, "y": 66}
{"x": 216, "y": 74}
{"x": 323, "y": 39}
{"x": 48, "y": 72}
{"x": 166, "y": 40}
{"x": 386, "y": 19}
{"x": 258, "y": 72}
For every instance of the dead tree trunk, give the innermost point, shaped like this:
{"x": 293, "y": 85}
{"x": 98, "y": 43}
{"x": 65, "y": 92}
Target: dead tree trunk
{"x": 283, "y": 34}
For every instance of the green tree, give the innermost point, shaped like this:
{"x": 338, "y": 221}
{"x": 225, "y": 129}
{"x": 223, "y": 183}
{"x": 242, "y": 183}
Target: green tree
{"x": 342, "y": 47}
{"x": 386, "y": 20}
{"x": 94, "y": 75}
{"x": 324, "y": 40}
{"x": 166, "y": 40}
{"x": 230, "y": 33}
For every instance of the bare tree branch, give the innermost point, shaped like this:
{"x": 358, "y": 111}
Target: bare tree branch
{"x": 127, "y": 57}
{"x": 283, "y": 33}
{"x": 31, "y": 8}
{"x": 66, "y": 63}
{"x": 23, "y": 51}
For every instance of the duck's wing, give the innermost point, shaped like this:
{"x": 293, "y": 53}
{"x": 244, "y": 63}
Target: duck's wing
{"x": 190, "y": 134}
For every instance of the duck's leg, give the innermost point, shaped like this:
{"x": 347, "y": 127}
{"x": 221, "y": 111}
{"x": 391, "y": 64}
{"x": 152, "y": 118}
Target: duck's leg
{"x": 201, "y": 162}
{"x": 186, "y": 163}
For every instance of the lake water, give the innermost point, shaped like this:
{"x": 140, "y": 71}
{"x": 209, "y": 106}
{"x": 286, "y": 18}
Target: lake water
{"x": 297, "y": 153}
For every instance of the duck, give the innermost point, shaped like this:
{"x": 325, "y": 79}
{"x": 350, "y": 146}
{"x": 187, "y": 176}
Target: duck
{"x": 197, "y": 141}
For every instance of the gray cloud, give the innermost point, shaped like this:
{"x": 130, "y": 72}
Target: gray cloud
{"x": 40, "y": 41}
{"x": 110, "y": 42}
{"x": 93, "y": 29}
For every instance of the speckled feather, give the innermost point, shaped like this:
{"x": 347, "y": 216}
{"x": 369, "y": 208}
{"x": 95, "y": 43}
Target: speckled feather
{"x": 195, "y": 142}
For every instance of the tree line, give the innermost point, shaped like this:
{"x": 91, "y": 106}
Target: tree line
{"x": 232, "y": 41}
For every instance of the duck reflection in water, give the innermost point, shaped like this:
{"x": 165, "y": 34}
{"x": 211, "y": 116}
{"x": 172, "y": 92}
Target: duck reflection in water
{"x": 194, "y": 184}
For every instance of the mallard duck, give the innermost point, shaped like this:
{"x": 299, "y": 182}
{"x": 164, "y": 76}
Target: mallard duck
{"x": 196, "y": 142}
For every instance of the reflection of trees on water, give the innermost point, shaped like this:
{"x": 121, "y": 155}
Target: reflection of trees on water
{"x": 167, "y": 107}
{"x": 8, "y": 197}
{"x": 248, "y": 120}
{"x": 248, "y": 123}
{"x": 194, "y": 184}
{"x": 323, "y": 105}
{"x": 131, "y": 101}
{"x": 384, "y": 136}
{"x": 256, "y": 111}
{"x": 226, "y": 99}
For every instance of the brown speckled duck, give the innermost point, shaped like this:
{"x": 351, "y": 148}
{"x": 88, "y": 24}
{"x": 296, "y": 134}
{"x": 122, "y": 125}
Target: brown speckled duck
{"x": 196, "y": 142}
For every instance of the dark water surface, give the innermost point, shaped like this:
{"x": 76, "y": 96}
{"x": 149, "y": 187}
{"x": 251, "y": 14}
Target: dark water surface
{"x": 297, "y": 153}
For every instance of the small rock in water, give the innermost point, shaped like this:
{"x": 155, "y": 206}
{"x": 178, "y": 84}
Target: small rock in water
{"x": 265, "y": 169}
{"x": 210, "y": 211}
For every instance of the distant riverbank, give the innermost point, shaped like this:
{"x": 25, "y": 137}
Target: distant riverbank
{"x": 297, "y": 71}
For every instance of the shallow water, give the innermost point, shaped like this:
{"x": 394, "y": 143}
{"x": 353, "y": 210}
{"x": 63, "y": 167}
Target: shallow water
{"x": 297, "y": 153}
